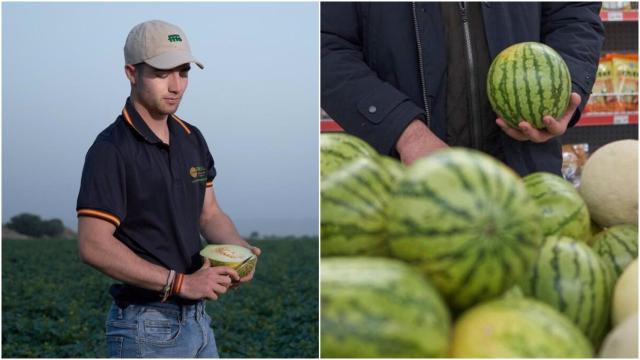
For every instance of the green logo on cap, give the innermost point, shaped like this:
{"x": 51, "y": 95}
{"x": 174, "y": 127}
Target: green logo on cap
{"x": 174, "y": 38}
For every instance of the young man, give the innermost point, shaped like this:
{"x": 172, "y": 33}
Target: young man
{"x": 410, "y": 78}
{"x": 145, "y": 198}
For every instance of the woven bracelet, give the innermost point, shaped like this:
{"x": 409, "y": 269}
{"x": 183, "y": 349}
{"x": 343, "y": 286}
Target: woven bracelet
{"x": 166, "y": 290}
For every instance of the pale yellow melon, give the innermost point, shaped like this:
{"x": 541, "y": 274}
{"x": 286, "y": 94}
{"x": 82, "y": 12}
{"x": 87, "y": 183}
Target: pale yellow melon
{"x": 622, "y": 341}
{"x": 609, "y": 183}
{"x": 625, "y": 295}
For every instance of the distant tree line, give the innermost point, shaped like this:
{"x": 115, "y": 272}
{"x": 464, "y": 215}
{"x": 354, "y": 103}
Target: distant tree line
{"x": 33, "y": 225}
{"x": 257, "y": 236}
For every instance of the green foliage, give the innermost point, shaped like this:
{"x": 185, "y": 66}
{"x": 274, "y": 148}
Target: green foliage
{"x": 53, "y": 305}
{"x": 33, "y": 225}
{"x": 276, "y": 315}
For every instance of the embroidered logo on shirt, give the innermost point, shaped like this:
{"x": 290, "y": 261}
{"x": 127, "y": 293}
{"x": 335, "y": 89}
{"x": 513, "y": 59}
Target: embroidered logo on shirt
{"x": 198, "y": 173}
{"x": 175, "y": 38}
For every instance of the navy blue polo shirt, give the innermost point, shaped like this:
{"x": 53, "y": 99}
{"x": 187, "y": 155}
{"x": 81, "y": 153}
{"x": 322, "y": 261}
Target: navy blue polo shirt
{"x": 152, "y": 192}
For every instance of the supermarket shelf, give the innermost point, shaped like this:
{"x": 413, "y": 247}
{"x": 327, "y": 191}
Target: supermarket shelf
{"x": 589, "y": 119}
{"x": 597, "y": 119}
{"x": 619, "y": 15}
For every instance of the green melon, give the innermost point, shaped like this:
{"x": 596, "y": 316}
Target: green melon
{"x": 395, "y": 167}
{"x": 527, "y": 81}
{"x": 353, "y": 209}
{"x": 466, "y": 222}
{"x": 237, "y": 257}
{"x": 564, "y": 213}
{"x": 617, "y": 246}
{"x": 569, "y": 276}
{"x": 338, "y": 149}
{"x": 517, "y": 328}
{"x": 375, "y": 307}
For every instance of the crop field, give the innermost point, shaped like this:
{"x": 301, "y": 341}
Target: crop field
{"x": 53, "y": 305}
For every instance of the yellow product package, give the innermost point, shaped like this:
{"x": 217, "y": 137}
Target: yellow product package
{"x": 601, "y": 99}
{"x": 625, "y": 81}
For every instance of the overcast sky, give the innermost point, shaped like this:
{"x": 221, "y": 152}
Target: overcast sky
{"x": 256, "y": 102}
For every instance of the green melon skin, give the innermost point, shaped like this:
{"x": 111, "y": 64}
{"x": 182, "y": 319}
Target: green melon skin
{"x": 395, "y": 167}
{"x": 377, "y": 307}
{"x": 528, "y": 81}
{"x": 517, "y": 328}
{"x": 569, "y": 276}
{"x": 617, "y": 246}
{"x": 353, "y": 209}
{"x": 466, "y": 222}
{"x": 564, "y": 213}
{"x": 338, "y": 149}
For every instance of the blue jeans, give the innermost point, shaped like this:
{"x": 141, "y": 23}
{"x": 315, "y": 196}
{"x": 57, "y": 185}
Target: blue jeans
{"x": 160, "y": 330}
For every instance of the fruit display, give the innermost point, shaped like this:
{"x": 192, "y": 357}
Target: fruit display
{"x": 510, "y": 328}
{"x": 625, "y": 295}
{"x": 609, "y": 183}
{"x": 563, "y": 211}
{"x": 241, "y": 259}
{"x": 373, "y": 307}
{"x": 528, "y": 81}
{"x": 353, "y": 208}
{"x": 337, "y": 149}
{"x": 569, "y": 276}
{"x": 617, "y": 246}
{"x": 622, "y": 341}
{"x": 466, "y": 222}
{"x": 457, "y": 256}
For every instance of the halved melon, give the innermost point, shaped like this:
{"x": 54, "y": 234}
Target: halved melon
{"x": 237, "y": 257}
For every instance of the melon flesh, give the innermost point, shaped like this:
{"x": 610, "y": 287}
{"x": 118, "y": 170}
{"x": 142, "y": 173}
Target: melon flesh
{"x": 625, "y": 296}
{"x": 237, "y": 257}
{"x": 609, "y": 184}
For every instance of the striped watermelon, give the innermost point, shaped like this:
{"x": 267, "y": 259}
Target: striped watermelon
{"x": 374, "y": 307}
{"x": 564, "y": 213}
{"x": 467, "y": 222}
{"x": 527, "y": 81}
{"x": 569, "y": 276}
{"x": 617, "y": 246}
{"x": 395, "y": 167}
{"x": 337, "y": 149}
{"x": 353, "y": 209}
{"x": 515, "y": 328}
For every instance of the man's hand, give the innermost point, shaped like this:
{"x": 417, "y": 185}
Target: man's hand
{"x": 526, "y": 132}
{"x": 208, "y": 282}
{"x": 417, "y": 141}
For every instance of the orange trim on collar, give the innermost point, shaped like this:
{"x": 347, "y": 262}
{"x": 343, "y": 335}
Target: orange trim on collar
{"x": 127, "y": 118}
{"x": 181, "y": 122}
{"x": 101, "y": 215}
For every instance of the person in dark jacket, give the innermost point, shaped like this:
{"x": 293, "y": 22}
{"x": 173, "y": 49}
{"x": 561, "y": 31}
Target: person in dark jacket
{"x": 409, "y": 78}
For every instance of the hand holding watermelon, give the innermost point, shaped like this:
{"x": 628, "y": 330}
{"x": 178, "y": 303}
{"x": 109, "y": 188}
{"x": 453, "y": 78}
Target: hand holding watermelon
{"x": 553, "y": 127}
{"x": 417, "y": 141}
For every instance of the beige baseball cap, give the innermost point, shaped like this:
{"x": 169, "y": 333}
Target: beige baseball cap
{"x": 159, "y": 44}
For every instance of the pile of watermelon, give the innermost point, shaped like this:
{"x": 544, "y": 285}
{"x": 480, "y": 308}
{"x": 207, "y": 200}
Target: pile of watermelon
{"x": 457, "y": 256}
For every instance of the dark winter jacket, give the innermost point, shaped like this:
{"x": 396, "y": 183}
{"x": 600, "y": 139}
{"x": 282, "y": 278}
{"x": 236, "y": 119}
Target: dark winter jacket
{"x": 371, "y": 82}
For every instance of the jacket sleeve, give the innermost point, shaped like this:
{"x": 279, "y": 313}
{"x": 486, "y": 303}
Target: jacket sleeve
{"x": 351, "y": 92}
{"x": 576, "y": 32}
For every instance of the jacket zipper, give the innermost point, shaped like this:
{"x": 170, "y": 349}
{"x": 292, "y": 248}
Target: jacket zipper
{"x": 423, "y": 84}
{"x": 473, "y": 92}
